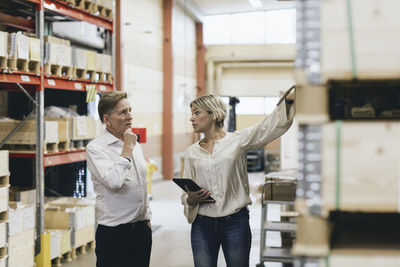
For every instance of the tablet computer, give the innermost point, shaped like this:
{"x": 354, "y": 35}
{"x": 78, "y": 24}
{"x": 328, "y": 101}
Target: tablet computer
{"x": 182, "y": 182}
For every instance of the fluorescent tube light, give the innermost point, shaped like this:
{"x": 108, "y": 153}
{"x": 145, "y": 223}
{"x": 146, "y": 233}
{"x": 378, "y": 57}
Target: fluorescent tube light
{"x": 256, "y": 3}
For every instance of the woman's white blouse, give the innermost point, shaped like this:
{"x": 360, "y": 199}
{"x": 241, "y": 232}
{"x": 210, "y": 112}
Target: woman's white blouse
{"x": 224, "y": 172}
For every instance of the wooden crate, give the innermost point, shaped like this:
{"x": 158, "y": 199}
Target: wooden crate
{"x": 27, "y": 133}
{"x": 82, "y": 128}
{"x": 4, "y": 168}
{"x": 21, "y": 249}
{"x": 369, "y": 166}
{"x": 376, "y": 30}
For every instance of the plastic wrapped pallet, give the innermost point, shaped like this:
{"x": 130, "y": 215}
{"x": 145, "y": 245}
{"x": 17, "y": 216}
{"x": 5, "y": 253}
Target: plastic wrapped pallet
{"x": 106, "y": 63}
{"x": 3, "y": 44}
{"x": 34, "y": 49}
{"x": 15, "y": 221}
{"x": 98, "y": 61}
{"x": 18, "y": 46}
{"x": 55, "y": 243}
{"x": 4, "y": 169}
{"x": 79, "y": 58}
{"x": 50, "y": 53}
{"x": 3, "y": 234}
{"x": 63, "y": 55}
{"x": 90, "y": 60}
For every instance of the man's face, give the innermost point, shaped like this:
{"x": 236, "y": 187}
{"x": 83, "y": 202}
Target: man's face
{"x": 120, "y": 118}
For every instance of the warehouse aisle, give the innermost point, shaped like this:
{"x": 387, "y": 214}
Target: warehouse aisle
{"x": 171, "y": 234}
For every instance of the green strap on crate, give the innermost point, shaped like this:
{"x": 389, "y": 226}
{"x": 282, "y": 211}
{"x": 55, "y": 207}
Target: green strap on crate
{"x": 327, "y": 261}
{"x": 351, "y": 39}
{"x": 338, "y": 161}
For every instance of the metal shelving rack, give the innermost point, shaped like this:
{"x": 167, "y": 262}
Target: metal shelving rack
{"x": 40, "y": 82}
{"x": 268, "y": 253}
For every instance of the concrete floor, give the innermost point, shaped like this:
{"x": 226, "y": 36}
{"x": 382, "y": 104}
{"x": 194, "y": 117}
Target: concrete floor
{"x": 171, "y": 241}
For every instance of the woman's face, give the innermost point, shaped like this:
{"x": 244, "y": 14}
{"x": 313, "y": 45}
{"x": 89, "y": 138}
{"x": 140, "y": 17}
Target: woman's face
{"x": 201, "y": 120}
{"x": 120, "y": 118}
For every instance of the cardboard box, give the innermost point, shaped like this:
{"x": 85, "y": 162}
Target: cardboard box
{"x": 21, "y": 249}
{"x": 69, "y": 216}
{"x": 3, "y": 198}
{"x": 82, "y": 128}
{"x": 90, "y": 60}
{"x": 83, "y": 236}
{"x": 280, "y": 190}
{"x": 24, "y": 195}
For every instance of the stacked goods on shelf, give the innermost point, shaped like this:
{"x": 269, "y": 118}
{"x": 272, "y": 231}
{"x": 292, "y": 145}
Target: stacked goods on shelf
{"x": 72, "y": 128}
{"x": 23, "y": 53}
{"x": 4, "y": 184}
{"x": 103, "y": 8}
{"x": 348, "y": 192}
{"x": 25, "y": 138}
{"x": 3, "y": 50}
{"x": 103, "y": 67}
{"x": 79, "y": 63}
{"x": 375, "y": 31}
{"x": 76, "y": 216}
{"x": 91, "y": 64}
{"x": 57, "y": 56}
{"x": 21, "y": 234}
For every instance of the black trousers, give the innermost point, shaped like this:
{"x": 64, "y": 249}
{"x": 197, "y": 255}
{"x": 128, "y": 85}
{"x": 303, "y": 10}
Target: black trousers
{"x": 125, "y": 245}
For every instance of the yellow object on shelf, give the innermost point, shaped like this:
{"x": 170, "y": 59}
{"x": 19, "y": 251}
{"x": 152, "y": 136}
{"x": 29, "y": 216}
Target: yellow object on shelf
{"x": 151, "y": 168}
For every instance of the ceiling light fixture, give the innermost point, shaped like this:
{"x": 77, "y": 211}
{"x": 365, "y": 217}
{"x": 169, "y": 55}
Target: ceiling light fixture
{"x": 256, "y": 3}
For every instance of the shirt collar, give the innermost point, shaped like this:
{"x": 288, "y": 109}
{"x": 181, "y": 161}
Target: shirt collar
{"x": 110, "y": 138}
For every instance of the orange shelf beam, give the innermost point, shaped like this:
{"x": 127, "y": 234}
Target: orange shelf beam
{"x": 20, "y": 77}
{"x": 76, "y": 13}
{"x": 54, "y": 159}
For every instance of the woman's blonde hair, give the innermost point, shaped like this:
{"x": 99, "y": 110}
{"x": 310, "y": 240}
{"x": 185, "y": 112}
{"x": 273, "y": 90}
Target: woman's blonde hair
{"x": 213, "y": 105}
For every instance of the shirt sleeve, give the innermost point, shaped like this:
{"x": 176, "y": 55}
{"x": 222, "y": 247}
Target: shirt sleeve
{"x": 190, "y": 211}
{"x": 271, "y": 127}
{"x": 112, "y": 174}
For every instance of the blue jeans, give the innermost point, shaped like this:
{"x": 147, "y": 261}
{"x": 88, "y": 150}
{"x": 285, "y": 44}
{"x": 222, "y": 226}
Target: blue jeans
{"x": 232, "y": 232}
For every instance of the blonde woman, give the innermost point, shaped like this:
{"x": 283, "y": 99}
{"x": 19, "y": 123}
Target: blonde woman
{"x": 217, "y": 163}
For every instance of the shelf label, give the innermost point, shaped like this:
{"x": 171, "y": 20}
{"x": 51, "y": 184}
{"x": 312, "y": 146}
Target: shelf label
{"x": 51, "y": 82}
{"x": 78, "y": 86}
{"x": 25, "y": 78}
{"x": 103, "y": 88}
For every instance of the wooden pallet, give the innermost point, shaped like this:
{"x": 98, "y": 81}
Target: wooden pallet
{"x": 105, "y": 77}
{"x": 31, "y": 148}
{"x": 79, "y": 73}
{"x": 58, "y": 70}
{"x": 24, "y": 65}
{"x": 3, "y": 63}
{"x": 84, "y": 4}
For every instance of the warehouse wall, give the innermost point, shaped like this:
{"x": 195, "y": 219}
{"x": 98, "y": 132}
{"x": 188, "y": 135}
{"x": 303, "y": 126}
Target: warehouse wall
{"x": 143, "y": 76}
{"x": 184, "y": 53}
